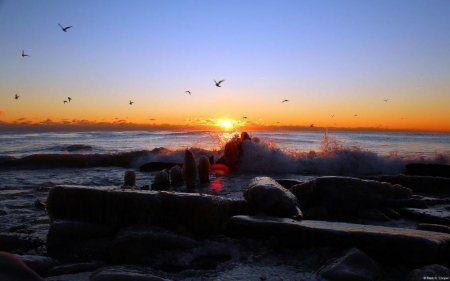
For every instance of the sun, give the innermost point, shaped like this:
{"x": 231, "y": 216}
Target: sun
{"x": 225, "y": 123}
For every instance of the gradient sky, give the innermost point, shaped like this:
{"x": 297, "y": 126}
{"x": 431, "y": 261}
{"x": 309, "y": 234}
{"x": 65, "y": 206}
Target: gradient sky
{"x": 327, "y": 58}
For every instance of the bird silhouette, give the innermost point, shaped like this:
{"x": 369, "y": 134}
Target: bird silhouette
{"x": 23, "y": 54}
{"x": 218, "y": 83}
{"x": 245, "y": 117}
{"x": 65, "y": 101}
{"x": 16, "y": 97}
{"x": 385, "y": 100}
{"x": 355, "y": 115}
{"x": 131, "y": 102}
{"x": 332, "y": 115}
{"x": 69, "y": 98}
{"x": 312, "y": 125}
{"x": 64, "y": 28}
{"x": 188, "y": 92}
{"x": 284, "y": 101}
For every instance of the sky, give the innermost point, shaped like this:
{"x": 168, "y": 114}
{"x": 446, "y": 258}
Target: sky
{"x": 336, "y": 62}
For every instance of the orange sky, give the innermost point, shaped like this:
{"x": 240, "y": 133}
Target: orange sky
{"x": 342, "y": 59}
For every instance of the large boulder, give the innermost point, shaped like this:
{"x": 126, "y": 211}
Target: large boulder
{"x": 434, "y": 170}
{"x": 13, "y": 269}
{"x": 118, "y": 208}
{"x": 345, "y": 196}
{"x": 429, "y": 272}
{"x": 266, "y": 195}
{"x": 383, "y": 244}
{"x": 424, "y": 184}
{"x": 352, "y": 265}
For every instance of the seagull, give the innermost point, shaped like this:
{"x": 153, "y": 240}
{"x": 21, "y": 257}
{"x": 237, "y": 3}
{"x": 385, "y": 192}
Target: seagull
{"x": 65, "y": 101}
{"x": 131, "y": 102}
{"x": 23, "y": 54}
{"x": 188, "y": 92}
{"x": 385, "y": 100}
{"x": 64, "y": 28}
{"x": 284, "y": 101}
{"x": 16, "y": 97}
{"x": 218, "y": 83}
{"x": 69, "y": 98}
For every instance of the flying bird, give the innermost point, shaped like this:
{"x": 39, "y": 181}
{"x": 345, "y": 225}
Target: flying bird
{"x": 131, "y": 102}
{"x": 65, "y": 101}
{"x": 332, "y": 115}
{"x": 245, "y": 117}
{"x": 386, "y": 100}
{"x": 355, "y": 115}
{"x": 69, "y": 98}
{"x": 188, "y": 92}
{"x": 16, "y": 97}
{"x": 218, "y": 83}
{"x": 64, "y": 28}
{"x": 284, "y": 101}
{"x": 23, "y": 54}
{"x": 312, "y": 125}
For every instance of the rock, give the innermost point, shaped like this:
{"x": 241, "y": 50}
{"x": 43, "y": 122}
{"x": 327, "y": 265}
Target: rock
{"x": 427, "y": 215}
{"x": 76, "y": 230}
{"x": 344, "y": 196}
{"x": 288, "y": 183}
{"x": 203, "y": 169}
{"x": 434, "y": 170}
{"x": 141, "y": 244}
{"x": 13, "y": 269}
{"x": 373, "y": 215}
{"x": 74, "y": 268}
{"x": 157, "y": 166}
{"x": 67, "y": 239}
{"x": 433, "y": 227}
{"x": 353, "y": 265}
{"x": 176, "y": 175}
{"x": 19, "y": 242}
{"x": 39, "y": 203}
{"x": 39, "y": 264}
{"x": 429, "y": 272}
{"x": 124, "y": 274}
{"x": 392, "y": 214}
{"x": 129, "y": 178}
{"x": 406, "y": 203}
{"x": 161, "y": 181}
{"x": 390, "y": 245}
{"x": 189, "y": 169}
{"x": 266, "y": 195}
{"x": 231, "y": 155}
{"x": 198, "y": 213}
{"x": 419, "y": 184}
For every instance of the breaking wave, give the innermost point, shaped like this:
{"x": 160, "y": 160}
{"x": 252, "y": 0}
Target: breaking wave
{"x": 259, "y": 156}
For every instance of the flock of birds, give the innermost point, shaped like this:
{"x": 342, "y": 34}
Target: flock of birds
{"x": 25, "y": 55}
{"x": 131, "y": 102}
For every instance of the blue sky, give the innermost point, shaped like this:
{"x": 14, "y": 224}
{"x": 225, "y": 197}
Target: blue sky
{"x": 326, "y": 57}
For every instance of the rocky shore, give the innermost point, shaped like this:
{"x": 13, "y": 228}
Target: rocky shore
{"x": 328, "y": 228}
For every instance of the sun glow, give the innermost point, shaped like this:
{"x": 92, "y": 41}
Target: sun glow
{"x": 225, "y": 123}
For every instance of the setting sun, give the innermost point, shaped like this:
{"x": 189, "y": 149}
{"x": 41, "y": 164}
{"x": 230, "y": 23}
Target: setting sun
{"x": 224, "y": 123}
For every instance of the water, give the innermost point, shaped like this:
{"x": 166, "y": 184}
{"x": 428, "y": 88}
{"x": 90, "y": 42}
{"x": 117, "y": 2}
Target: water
{"x": 54, "y": 159}
{"x": 296, "y": 155}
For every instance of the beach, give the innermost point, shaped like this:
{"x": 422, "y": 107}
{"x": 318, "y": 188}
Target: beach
{"x": 32, "y": 164}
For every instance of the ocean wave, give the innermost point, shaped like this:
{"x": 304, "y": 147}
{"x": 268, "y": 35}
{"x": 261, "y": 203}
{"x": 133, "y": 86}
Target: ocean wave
{"x": 75, "y": 147}
{"x": 331, "y": 158}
